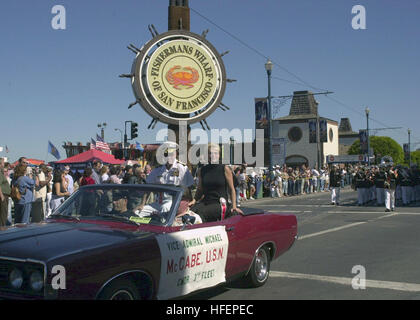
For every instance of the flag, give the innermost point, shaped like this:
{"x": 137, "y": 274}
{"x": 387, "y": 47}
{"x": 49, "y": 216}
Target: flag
{"x": 406, "y": 151}
{"x": 92, "y": 144}
{"x": 101, "y": 144}
{"x": 323, "y": 132}
{"x": 261, "y": 115}
{"x": 363, "y": 141}
{"x": 312, "y": 131}
{"x": 53, "y": 150}
{"x": 139, "y": 147}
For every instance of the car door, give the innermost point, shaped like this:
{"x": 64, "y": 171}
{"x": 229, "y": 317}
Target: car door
{"x": 196, "y": 256}
{"x": 229, "y": 226}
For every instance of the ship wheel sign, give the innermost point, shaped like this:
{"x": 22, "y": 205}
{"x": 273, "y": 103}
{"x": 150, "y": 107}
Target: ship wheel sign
{"x": 178, "y": 76}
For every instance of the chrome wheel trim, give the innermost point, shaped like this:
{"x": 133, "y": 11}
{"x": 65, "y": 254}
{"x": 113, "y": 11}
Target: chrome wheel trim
{"x": 261, "y": 265}
{"x": 122, "y": 295}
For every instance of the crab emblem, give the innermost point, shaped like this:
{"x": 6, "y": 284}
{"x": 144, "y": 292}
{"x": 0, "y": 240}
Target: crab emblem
{"x": 184, "y": 78}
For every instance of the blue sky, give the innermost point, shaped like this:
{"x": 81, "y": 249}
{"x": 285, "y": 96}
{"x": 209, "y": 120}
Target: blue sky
{"x": 58, "y": 85}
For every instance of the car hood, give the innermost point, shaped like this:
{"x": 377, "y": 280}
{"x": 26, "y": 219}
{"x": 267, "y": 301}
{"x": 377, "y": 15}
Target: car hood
{"x": 46, "y": 241}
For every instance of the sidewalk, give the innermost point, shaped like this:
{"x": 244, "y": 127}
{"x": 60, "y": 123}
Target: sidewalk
{"x": 346, "y": 189}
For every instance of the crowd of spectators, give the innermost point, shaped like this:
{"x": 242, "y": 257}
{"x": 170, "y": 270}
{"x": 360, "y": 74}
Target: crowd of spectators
{"x": 285, "y": 181}
{"x": 44, "y": 188}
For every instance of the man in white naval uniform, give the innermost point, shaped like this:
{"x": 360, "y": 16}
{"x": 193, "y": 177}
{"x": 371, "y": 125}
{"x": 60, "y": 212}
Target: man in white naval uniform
{"x": 172, "y": 173}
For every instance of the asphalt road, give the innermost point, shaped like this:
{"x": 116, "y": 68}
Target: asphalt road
{"x": 332, "y": 241}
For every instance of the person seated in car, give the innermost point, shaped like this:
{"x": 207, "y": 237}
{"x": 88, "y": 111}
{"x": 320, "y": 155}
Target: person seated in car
{"x": 119, "y": 204}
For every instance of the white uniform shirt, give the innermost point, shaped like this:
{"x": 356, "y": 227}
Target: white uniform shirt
{"x": 178, "y": 175}
{"x": 41, "y": 192}
{"x": 70, "y": 187}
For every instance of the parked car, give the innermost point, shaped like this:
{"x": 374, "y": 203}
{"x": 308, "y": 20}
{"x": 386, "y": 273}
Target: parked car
{"x": 135, "y": 242}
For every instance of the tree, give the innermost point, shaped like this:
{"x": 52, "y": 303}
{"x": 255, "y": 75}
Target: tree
{"x": 415, "y": 157}
{"x": 382, "y": 146}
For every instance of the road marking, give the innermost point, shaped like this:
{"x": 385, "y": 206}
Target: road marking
{"x": 409, "y": 213}
{"x": 296, "y": 205}
{"x": 288, "y": 211}
{"x": 354, "y": 212}
{"x": 399, "y": 286}
{"x": 330, "y": 230}
{"x": 343, "y": 227}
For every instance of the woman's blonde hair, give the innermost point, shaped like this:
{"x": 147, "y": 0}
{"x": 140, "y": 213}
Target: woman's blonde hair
{"x": 19, "y": 171}
{"x": 212, "y": 145}
{"x": 104, "y": 170}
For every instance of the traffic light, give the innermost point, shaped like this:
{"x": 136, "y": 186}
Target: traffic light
{"x": 134, "y": 130}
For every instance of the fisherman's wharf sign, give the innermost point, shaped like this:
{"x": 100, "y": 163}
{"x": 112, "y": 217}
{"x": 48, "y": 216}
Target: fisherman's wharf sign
{"x": 178, "y": 75}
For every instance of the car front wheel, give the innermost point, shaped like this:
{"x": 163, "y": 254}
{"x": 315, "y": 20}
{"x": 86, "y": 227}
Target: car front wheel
{"x": 120, "y": 290}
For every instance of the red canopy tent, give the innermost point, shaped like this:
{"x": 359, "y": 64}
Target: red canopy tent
{"x": 89, "y": 156}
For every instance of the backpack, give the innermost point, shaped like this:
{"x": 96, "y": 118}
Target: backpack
{"x": 15, "y": 193}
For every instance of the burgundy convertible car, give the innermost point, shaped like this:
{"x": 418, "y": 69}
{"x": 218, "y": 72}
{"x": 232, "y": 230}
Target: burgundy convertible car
{"x": 135, "y": 242}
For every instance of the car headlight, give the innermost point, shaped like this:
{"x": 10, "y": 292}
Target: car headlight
{"x": 16, "y": 278}
{"x": 36, "y": 280}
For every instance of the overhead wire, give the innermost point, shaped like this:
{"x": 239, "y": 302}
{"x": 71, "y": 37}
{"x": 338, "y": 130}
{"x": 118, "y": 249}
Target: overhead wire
{"x": 301, "y": 81}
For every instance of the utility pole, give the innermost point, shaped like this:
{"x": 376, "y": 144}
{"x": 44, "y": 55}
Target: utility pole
{"x": 409, "y": 148}
{"x": 367, "y": 133}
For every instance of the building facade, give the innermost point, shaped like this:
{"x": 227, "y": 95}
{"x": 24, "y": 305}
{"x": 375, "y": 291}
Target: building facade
{"x": 303, "y": 143}
{"x": 346, "y": 136}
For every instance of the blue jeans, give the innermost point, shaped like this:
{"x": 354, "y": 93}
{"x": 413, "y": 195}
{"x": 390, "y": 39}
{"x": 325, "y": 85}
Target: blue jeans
{"x": 298, "y": 187}
{"x": 285, "y": 187}
{"x": 238, "y": 191}
{"x": 290, "y": 187}
{"x": 322, "y": 183}
{"x": 23, "y": 212}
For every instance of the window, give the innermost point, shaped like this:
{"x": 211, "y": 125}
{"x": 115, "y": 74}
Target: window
{"x": 295, "y": 134}
{"x": 331, "y": 135}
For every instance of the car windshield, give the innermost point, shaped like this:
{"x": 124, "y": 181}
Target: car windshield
{"x": 146, "y": 204}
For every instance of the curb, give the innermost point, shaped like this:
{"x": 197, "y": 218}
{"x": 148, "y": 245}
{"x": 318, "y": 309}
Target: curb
{"x": 344, "y": 190}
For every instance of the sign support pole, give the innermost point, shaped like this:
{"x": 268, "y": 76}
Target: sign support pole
{"x": 179, "y": 19}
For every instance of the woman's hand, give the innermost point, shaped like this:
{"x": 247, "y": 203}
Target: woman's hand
{"x": 237, "y": 210}
{"x": 191, "y": 203}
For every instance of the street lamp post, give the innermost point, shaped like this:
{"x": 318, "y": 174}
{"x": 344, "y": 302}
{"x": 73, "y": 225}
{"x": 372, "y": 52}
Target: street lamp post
{"x": 268, "y": 68}
{"x": 409, "y": 148}
{"x": 102, "y": 126}
{"x": 125, "y": 138}
{"x": 367, "y": 133}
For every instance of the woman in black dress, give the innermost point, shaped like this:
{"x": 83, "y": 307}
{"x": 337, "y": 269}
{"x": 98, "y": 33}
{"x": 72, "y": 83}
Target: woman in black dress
{"x": 215, "y": 186}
